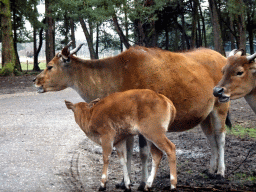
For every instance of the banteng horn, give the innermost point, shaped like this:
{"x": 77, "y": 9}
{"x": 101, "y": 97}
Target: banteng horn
{"x": 251, "y": 57}
{"x": 76, "y": 49}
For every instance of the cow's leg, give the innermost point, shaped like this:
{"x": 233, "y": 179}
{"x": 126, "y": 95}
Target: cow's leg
{"x": 144, "y": 154}
{"x": 208, "y": 130}
{"x": 122, "y": 154}
{"x": 107, "y": 146}
{"x": 214, "y": 128}
{"x": 129, "y": 146}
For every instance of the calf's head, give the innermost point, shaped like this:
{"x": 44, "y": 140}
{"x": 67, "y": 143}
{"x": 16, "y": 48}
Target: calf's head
{"x": 238, "y": 77}
{"x": 56, "y": 76}
{"x": 81, "y": 112}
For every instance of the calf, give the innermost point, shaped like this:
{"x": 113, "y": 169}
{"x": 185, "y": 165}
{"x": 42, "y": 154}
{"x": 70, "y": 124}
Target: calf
{"x": 112, "y": 120}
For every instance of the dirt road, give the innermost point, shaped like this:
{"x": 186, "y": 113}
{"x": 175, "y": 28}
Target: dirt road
{"x": 42, "y": 148}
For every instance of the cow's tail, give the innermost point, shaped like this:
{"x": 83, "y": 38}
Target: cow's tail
{"x": 228, "y": 121}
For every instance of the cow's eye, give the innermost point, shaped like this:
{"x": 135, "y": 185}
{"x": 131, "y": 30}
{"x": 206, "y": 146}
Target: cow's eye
{"x": 239, "y": 73}
{"x": 49, "y": 67}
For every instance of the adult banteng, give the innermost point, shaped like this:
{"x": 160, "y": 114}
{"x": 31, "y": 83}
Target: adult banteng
{"x": 187, "y": 79}
{"x": 239, "y": 79}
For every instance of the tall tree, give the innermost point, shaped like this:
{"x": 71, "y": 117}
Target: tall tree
{"x": 214, "y": 13}
{"x": 50, "y": 32}
{"x": 8, "y": 53}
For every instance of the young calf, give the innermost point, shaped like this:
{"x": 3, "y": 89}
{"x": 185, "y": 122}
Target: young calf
{"x": 116, "y": 118}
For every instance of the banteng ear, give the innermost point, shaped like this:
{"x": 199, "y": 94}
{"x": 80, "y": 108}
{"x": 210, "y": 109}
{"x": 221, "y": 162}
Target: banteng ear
{"x": 232, "y": 53}
{"x": 69, "y": 105}
{"x": 92, "y": 103}
{"x": 240, "y": 52}
{"x": 65, "y": 53}
{"x": 253, "y": 68}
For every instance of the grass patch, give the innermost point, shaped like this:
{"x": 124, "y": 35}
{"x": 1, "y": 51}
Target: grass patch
{"x": 244, "y": 177}
{"x": 29, "y": 67}
{"x": 242, "y": 132}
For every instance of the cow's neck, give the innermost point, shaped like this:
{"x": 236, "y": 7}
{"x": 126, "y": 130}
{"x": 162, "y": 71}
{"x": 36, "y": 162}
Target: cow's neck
{"x": 97, "y": 79}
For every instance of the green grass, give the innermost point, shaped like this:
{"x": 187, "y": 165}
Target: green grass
{"x": 29, "y": 67}
{"x": 244, "y": 177}
{"x": 242, "y": 132}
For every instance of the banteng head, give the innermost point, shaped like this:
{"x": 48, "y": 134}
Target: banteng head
{"x": 55, "y": 77}
{"x": 238, "y": 77}
{"x": 81, "y": 112}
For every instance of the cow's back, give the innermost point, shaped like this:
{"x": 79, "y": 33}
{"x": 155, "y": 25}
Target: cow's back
{"x": 187, "y": 79}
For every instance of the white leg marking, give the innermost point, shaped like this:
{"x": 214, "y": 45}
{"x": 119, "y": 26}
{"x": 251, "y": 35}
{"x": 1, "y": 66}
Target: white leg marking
{"x": 104, "y": 176}
{"x": 126, "y": 174}
{"x": 221, "y": 145}
{"x": 172, "y": 177}
{"x": 152, "y": 175}
{"x": 214, "y": 151}
{"x": 173, "y": 187}
{"x": 144, "y": 153}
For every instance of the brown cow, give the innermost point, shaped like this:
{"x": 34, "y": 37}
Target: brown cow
{"x": 187, "y": 79}
{"x": 125, "y": 114}
{"x": 239, "y": 79}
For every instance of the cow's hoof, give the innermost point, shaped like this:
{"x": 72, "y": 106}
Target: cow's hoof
{"x": 127, "y": 190}
{"x": 102, "y": 188}
{"x": 120, "y": 185}
{"x": 142, "y": 186}
{"x": 219, "y": 177}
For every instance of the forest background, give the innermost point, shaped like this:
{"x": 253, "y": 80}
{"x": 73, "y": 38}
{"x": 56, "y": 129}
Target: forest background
{"x": 115, "y": 25}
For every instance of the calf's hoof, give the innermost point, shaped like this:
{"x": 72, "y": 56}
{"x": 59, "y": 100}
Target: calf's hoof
{"x": 142, "y": 186}
{"x": 102, "y": 188}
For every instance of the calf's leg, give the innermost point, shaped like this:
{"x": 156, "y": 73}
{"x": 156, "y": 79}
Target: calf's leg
{"x": 107, "y": 146}
{"x": 161, "y": 142}
{"x": 156, "y": 159}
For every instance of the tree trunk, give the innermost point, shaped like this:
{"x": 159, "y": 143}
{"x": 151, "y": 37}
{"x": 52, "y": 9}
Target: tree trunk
{"x": 204, "y": 30}
{"x": 88, "y": 38}
{"x": 8, "y": 51}
{"x": 194, "y": 20}
{"x": 218, "y": 42}
{"x": 17, "y": 60}
{"x": 120, "y": 32}
{"x": 72, "y": 26}
{"x": 242, "y": 27}
{"x": 50, "y": 33}
{"x": 97, "y": 40}
{"x": 232, "y": 37}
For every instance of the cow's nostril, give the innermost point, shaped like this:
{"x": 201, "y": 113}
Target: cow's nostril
{"x": 218, "y": 91}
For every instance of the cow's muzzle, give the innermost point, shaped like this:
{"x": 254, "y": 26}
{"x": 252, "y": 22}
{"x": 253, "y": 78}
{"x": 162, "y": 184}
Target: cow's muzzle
{"x": 219, "y": 92}
{"x": 40, "y": 89}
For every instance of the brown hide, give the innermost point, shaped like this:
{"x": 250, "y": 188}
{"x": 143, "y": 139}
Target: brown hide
{"x": 124, "y": 113}
{"x": 187, "y": 79}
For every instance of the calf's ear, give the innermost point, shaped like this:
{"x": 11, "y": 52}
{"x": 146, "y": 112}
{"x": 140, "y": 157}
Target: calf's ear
{"x": 69, "y": 105}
